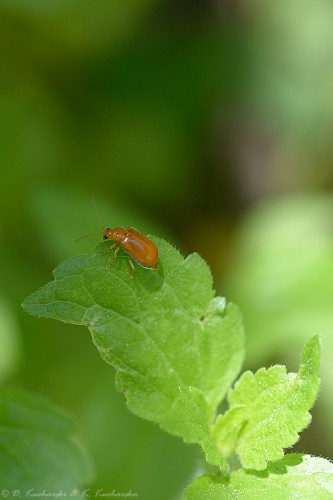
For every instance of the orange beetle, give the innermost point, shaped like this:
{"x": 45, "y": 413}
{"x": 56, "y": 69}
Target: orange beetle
{"x": 138, "y": 246}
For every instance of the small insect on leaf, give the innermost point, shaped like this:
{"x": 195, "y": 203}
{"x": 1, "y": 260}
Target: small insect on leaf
{"x": 139, "y": 247}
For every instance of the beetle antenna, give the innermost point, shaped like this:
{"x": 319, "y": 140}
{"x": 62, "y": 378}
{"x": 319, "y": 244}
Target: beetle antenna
{"x": 86, "y": 236}
{"x": 98, "y": 216}
{"x": 99, "y": 219}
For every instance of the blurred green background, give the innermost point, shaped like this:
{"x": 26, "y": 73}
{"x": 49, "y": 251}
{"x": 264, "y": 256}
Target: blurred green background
{"x": 208, "y": 123}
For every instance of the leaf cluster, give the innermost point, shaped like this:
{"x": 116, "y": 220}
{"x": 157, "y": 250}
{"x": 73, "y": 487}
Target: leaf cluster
{"x": 177, "y": 348}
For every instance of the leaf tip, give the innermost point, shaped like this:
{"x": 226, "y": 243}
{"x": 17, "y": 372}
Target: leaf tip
{"x": 26, "y": 304}
{"x": 311, "y": 356}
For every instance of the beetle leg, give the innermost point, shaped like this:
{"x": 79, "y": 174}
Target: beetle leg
{"x": 132, "y": 267}
{"x": 115, "y": 253}
{"x": 109, "y": 248}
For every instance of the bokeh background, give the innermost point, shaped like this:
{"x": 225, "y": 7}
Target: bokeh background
{"x": 209, "y": 123}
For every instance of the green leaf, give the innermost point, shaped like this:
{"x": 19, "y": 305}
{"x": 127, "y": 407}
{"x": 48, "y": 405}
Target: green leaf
{"x": 210, "y": 488}
{"x": 191, "y": 418}
{"x": 294, "y": 477}
{"x": 176, "y": 347}
{"x": 268, "y": 410}
{"x": 37, "y": 450}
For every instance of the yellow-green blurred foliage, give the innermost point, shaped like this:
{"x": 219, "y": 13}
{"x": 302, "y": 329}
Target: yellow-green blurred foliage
{"x": 208, "y": 123}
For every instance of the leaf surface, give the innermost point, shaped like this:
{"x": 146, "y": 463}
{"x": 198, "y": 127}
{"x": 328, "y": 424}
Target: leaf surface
{"x": 176, "y": 347}
{"x": 268, "y": 409}
{"x": 37, "y": 450}
{"x": 294, "y": 477}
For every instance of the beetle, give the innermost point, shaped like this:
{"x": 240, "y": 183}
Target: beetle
{"x": 139, "y": 247}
